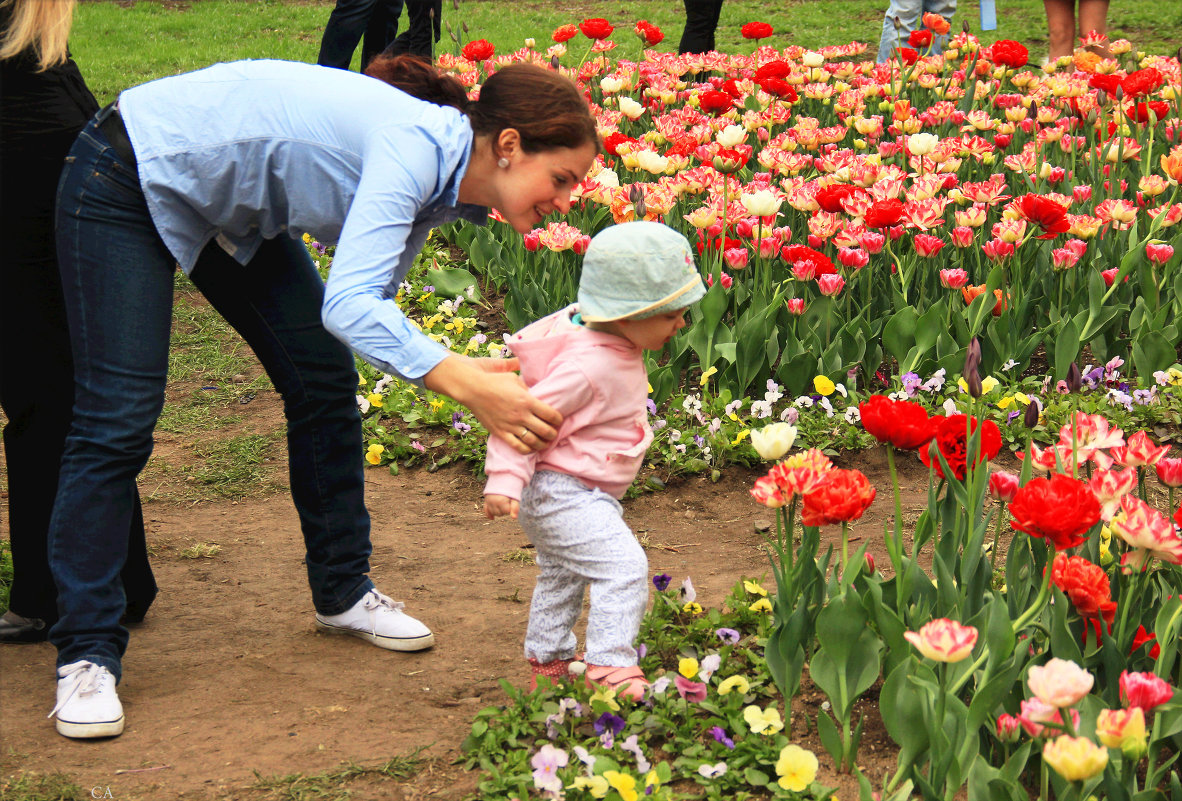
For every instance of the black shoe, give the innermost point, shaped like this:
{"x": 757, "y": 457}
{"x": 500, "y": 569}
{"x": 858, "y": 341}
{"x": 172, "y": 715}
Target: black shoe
{"x": 17, "y": 629}
{"x": 135, "y": 612}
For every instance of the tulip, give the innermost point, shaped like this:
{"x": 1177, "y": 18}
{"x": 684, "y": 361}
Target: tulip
{"x": 1169, "y": 472}
{"x": 1123, "y": 729}
{"x": 1003, "y": 485}
{"x": 954, "y": 278}
{"x": 1144, "y": 690}
{"x": 872, "y": 242}
{"x": 943, "y": 640}
{"x": 830, "y": 284}
{"x": 927, "y": 245}
{"x": 772, "y": 441}
{"x": 1059, "y": 683}
{"x": 763, "y": 203}
{"x": 961, "y": 236}
{"x": 921, "y": 144}
{"x": 1063, "y": 259}
{"x": 1159, "y": 253}
{"x": 767, "y": 492}
{"x": 853, "y": 257}
{"x": 1008, "y": 728}
{"x": 532, "y": 240}
{"x": 736, "y": 258}
{"x": 795, "y": 305}
{"x": 1075, "y": 758}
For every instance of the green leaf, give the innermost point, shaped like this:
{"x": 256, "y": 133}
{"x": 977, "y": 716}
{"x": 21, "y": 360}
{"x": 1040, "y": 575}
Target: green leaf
{"x": 1152, "y": 352}
{"x": 1067, "y": 344}
{"x": 898, "y": 336}
{"x": 830, "y": 736}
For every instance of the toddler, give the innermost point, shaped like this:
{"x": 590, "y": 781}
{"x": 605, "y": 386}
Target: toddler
{"x": 587, "y": 362}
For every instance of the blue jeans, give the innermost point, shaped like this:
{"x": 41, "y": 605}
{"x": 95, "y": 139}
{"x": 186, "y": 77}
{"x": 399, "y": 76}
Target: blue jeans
{"x": 117, "y": 279}
{"x": 903, "y": 17}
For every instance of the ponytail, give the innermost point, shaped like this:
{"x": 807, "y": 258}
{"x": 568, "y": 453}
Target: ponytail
{"x": 418, "y": 78}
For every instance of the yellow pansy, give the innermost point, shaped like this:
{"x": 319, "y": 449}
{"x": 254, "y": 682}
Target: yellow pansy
{"x": 736, "y": 684}
{"x": 707, "y": 373}
{"x": 688, "y": 667}
{"x": 596, "y": 785}
{"x": 375, "y": 400}
{"x": 652, "y": 780}
{"x": 307, "y": 239}
{"x": 361, "y": 380}
{"x": 608, "y": 696}
{"x": 824, "y": 386}
{"x": 988, "y": 384}
{"x": 692, "y": 608}
{"x": 1006, "y": 402}
{"x": 623, "y": 784}
{"x": 754, "y": 588}
{"x": 797, "y": 768}
{"x": 495, "y": 350}
{"x": 436, "y": 404}
{"x": 374, "y": 454}
{"x": 762, "y": 605}
{"x": 742, "y": 435}
{"x": 763, "y": 721}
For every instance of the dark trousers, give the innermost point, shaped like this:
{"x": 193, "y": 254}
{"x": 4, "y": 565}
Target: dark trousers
{"x": 701, "y": 20}
{"x": 117, "y": 281}
{"x": 375, "y": 24}
{"x": 37, "y": 381}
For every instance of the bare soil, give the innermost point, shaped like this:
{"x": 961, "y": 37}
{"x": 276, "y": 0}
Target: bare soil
{"x": 227, "y": 680}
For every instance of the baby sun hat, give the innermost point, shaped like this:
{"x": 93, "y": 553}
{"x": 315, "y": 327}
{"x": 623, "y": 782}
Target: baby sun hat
{"x": 637, "y": 269}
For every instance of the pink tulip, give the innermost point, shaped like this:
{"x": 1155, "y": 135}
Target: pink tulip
{"x": 1169, "y": 472}
{"x": 1059, "y": 683}
{"x": 927, "y": 245}
{"x": 1003, "y": 485}
{"x": 1055, "y": 175}
{"x": 954, "y": 278}
{"x": 795, "y": 306}
{"x": 853, "y": 257}
{"x": 1159, "y": 254}
{"x": 1077, "y": 246}
{"x": 830, "y": 284}
{"x": 962, "y": 236}
{"x": 533, "y": 240}
{"x": 997, "y": 250}
{"x": 1144, "y": 690}
{"x": 735, "y": 258}
{"x": 872, "y": 241}
{"x": 943, "y": 640}
{"x": 1140, "y": 451}
{"x": 1008, "y": 728}
{"x": 1063, "y": 258}
{"x": 1081, "y": 193}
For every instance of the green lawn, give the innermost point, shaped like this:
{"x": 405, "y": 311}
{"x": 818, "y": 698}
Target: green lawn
{"x": 120, "y": 45}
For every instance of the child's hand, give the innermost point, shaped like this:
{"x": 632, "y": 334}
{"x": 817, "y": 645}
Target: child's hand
{"x": 498, "y": 506}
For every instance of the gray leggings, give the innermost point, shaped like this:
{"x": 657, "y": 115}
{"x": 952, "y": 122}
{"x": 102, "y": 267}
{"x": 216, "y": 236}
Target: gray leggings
{"x": 582, "y": 540}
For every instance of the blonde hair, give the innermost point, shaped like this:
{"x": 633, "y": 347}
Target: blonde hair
{"x": 40, "y": 26}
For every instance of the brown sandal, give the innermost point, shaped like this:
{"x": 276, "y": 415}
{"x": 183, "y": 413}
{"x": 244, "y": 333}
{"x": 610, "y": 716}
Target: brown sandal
{"x": 628, "y": 682}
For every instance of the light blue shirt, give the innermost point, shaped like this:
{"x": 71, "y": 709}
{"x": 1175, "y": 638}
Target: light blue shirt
{"x": 251, "y": 150}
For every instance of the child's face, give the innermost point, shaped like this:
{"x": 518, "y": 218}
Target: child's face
{"x": 651, "y": 333}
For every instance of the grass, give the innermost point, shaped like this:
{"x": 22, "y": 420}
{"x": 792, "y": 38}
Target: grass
{"x": 38, "y": 787}
{"x": 200, "y": 550}
{"x": 120, "y": 45}
{"x": 333, "y": 785}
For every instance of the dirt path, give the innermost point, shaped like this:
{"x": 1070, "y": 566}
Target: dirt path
{"x": 228, "y": 677}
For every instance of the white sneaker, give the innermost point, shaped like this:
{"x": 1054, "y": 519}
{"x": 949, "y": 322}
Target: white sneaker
{"x": 381, "y": 621}
{"x": 87, "y": 704}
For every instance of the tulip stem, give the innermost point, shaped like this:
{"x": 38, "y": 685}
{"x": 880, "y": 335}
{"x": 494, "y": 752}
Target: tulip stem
{"x": 1043, "y": 593}
{"x": 997, "y": 538}
{"x": 894, "y": 543}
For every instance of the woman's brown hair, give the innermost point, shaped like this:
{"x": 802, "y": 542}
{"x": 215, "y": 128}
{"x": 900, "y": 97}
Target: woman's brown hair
{"x": 545, "y": 108}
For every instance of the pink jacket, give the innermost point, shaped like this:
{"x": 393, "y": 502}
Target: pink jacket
{"x": 599, "y": 384}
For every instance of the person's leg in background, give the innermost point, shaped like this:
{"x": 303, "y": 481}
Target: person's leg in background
{"x": 382, "y": 30}
{"x": 346, "y": 25}
{"x": 1093, "y": 16}
{"x": 701, "y": 21}
{"x": 1060, "y": 28}
{"x": 902, "y": 17}
{"x": 419, "y": 36}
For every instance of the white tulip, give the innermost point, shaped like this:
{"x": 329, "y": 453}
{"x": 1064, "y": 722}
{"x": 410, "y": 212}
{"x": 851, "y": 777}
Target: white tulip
{"x": 611, "y": 84}
{"x": 773, "y": 441}
{"x": 652, "y": 162}
{"x": 731, "y": 135}
{"x": 763, "y": 203}
{"x": 607, "y": 178}
{"x": 812, "y": 59}
{"x": 630, "y": 108}
{"x": 921, "y": 144}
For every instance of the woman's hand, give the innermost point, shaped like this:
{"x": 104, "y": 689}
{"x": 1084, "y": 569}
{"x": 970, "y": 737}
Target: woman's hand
{"x": 498, "y": 398}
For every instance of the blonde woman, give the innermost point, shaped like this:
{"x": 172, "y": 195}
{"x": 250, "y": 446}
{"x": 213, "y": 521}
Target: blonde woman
{"x": 43, "y": 104}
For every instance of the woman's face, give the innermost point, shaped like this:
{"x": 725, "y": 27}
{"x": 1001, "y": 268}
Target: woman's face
{"x": 534, "y": 185}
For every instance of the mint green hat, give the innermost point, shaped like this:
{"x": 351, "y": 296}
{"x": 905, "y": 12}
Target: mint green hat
{"x": 637, "y": 269}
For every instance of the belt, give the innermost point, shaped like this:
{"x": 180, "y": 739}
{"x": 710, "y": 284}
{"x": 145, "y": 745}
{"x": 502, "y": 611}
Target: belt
{"x": 111, "y": 124}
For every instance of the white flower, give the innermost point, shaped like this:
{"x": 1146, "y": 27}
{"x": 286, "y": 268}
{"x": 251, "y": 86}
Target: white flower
{"x": 763, "y": 203}
{"x": 611, "y": 84}
{"x": 630, "y": 108}
{"x": 921, "y": 144}
{"x": 934, "y": 383}
{"x": 852, "y": 415}
{"x": 827, "y": 406}
{"x": 949, "y": 407}
{"x": 789, "y": 415}
{"x": 652, "y": 162}
{"x": 841, "y": 390}
{"x": 731, "y": 135}
{"x": 692, "y": 404}
{"x": 1009, "y": 365}
{"x": 812, "y": 59}
{"x": 773, "y": 441}
{"x": 804, "y": 402}
{"x": 687, "y": 592}
{"x": 709, "y": 666}
{"x": 530, "y": 44}
{"x": 761, "y": 409}
{"x": 712, "y": 771}
{"x": 607, "y": 178}
{"x": 362, "y": 404}
{"x": 774, "y": 392}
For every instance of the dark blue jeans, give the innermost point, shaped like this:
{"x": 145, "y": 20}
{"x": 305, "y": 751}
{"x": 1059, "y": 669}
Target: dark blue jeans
{"x": 117, "y": 278}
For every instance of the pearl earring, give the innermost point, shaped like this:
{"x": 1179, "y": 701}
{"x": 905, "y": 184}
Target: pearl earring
{"x": 502, "y": 162}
